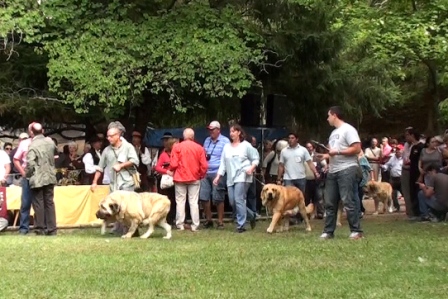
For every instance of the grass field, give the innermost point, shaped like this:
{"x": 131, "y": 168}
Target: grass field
{"x": 397, "y": 259}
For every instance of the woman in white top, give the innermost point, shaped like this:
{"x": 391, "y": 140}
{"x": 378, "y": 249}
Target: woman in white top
{"x": 374, "y": 156}
{"x": 238, "y": 160}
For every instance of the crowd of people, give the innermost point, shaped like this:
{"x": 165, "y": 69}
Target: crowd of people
{"x": 234, "y": 168}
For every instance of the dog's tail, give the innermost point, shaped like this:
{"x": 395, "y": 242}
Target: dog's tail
{"x": 309, "y": 209}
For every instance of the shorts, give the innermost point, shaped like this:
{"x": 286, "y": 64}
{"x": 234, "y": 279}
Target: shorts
{"x": 209, "y": 191}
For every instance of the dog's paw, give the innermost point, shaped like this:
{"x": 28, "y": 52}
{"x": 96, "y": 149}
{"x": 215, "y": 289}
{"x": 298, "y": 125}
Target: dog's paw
{"x": 269, "y": 230}
{"x": 375, "y": 213}
{"x": 144, "y": 237}
{"x": 167, "y": 237}
{"x": 127, "y": 236}
{"x": 338, "y": 224}
{"x": 308, "y": 229}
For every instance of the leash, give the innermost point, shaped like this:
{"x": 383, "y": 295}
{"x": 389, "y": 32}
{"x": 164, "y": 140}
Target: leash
{"x": 320, "y": 145}
{"x": 262, "y": 183}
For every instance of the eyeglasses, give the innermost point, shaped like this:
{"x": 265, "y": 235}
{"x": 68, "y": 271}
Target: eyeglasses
{"x": 8, "y": 148}
{"x": 112, "y": 135}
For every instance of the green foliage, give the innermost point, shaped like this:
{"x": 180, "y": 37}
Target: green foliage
{"x": 99, "y": 55}
{"x": 196, "y": 58}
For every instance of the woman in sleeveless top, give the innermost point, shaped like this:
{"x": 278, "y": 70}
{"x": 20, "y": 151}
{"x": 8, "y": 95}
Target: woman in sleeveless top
{"x": 430, "y": 155}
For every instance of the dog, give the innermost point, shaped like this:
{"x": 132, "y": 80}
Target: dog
{"x": 285, "y": 202}
{"x": 135, "y": 209}
{"x": 380, "y": 192}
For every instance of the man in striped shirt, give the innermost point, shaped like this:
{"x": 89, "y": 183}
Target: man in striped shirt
{"x": 213, "y": 146}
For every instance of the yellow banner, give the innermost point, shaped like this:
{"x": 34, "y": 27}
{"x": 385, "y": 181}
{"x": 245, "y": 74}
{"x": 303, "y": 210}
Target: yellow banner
{"x": 75, "y": 205}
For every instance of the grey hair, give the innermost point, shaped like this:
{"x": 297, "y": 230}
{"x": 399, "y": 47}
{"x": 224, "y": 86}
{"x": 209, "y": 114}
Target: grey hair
{"x": 117, "y": 125}
{"x": 72, "y": 143}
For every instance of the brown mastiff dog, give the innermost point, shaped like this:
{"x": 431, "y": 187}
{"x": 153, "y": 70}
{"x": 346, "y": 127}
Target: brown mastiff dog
{"x": 135, "y": 209}
{"x": 284, "y": 202}
{"x": 379, "y": 192}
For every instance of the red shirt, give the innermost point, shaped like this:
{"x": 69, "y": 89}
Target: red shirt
{"x": 188, "y": 162}
{"x": 164, "y": 158}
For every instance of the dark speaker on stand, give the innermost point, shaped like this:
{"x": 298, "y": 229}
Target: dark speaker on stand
{"x": 250, "y": 110}
{"x": 278, "y": 110}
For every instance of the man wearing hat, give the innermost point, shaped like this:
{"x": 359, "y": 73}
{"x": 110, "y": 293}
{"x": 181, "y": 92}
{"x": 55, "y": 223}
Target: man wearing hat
{"x": 91, "y": 160}
{"x": 394, "y": 166}
{"x": 144, "y": 160}
{"x": 213, "y": 146}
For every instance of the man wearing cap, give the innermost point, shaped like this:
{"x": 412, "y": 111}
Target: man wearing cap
{"x": 395, "y": 166}
{"x": 144, "y": 159}
{"x": 213, "y": 146}
{"x": 40, "y": 172}
{"x": 26, "y": 199}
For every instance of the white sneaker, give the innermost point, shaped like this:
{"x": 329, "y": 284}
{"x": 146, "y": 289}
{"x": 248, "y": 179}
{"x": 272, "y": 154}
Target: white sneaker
{"x": 326, "y": 236}
{"x": 356, "y": 236}
{"x": 180, "y": 227}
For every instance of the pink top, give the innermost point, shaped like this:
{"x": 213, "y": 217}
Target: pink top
{"x": 22, "y": 150}
{"x": 164, "y": 158}
{"x": 387, "y": 150}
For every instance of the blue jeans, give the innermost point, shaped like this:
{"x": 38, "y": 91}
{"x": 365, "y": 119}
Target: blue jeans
{"x": 341, "y": 186}
{"x": 425, "y": 203}
{"x": 299, "y": 183}
{"x": 237, "y": 198}
{"x": 25, "y": 206}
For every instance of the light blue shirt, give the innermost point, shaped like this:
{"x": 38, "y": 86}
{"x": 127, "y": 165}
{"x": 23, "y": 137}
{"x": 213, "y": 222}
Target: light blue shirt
{"x": 236, "y": 160}
{"x": 214, "y": 149}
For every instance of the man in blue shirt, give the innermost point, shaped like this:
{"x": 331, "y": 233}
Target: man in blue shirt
{"x": 213, "y": 146}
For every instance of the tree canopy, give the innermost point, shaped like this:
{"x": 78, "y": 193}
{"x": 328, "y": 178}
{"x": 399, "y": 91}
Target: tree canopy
{"x": 178, "y": 61}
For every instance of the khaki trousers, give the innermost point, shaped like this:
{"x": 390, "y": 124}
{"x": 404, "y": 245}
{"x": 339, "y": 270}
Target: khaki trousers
{"x": 182, "y": 189}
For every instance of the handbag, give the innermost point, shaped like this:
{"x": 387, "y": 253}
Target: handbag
{"x": 135, "y": 175}
{"x": 166, "y": 181}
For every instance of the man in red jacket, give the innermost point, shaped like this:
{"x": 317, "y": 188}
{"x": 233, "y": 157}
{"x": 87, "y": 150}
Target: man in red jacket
{"x": 189, "y": 165}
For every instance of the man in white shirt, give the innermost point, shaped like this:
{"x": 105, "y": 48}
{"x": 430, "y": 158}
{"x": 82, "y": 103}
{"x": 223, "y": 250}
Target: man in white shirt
{"x": 291, "y": 167}
{"x": 144, "y": 160}
{"x": 5, "y": 167}
{"x": 343, "y": 175}
{"x": 395, "y": 166}
{"x": 91, "y": 160}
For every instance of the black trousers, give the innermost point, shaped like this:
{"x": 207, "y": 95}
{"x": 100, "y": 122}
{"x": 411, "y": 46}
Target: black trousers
{"x": 312, "y": 196}
{"x": 414, "y": 175}
{"x": 44, "y": 211}
{"x": 396, "y": 186}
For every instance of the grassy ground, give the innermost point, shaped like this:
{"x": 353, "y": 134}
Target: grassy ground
{"x": 397, "y": 259}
